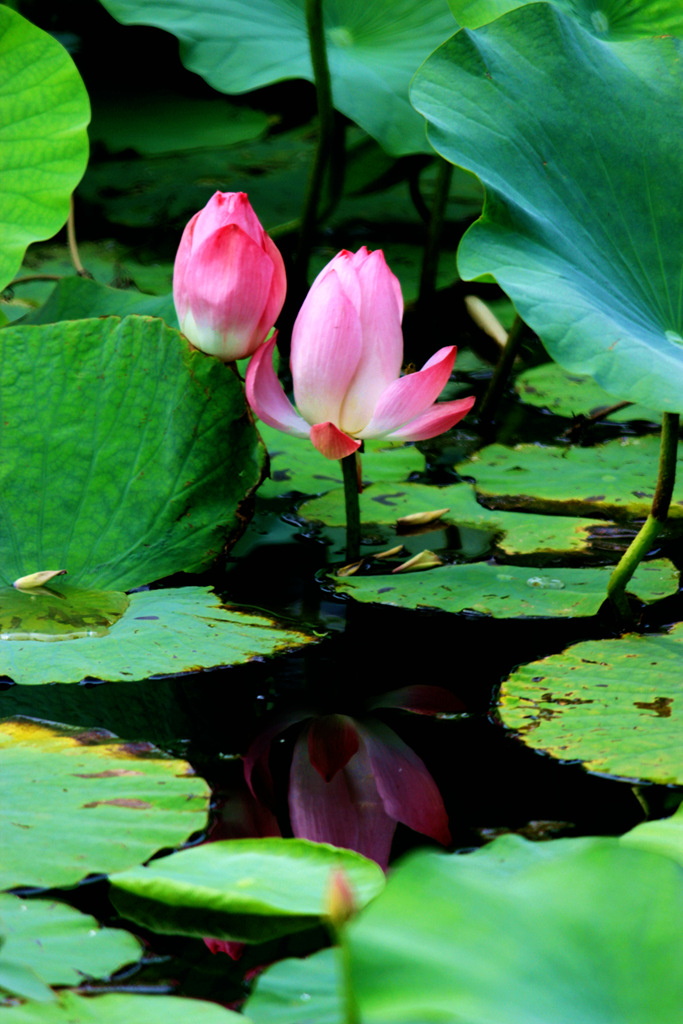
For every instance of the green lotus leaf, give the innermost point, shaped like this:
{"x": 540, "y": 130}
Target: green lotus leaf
{"x": 162, "y": 632}
{"x": 373, "y": 49}
{"x": 569, "y": 930}
{"x": 126, "y": 456}
{"x": 607, "y": 19}
{"x": 613, "y": 704}
{"x": 59, "y": 943}
{"x": 504, "y": 591}
{"x": 249, "y": 890}
{"x": 74, "y": 803}
{"x": 579, "y": 225}
{"x": 79, "y": 298}
{"x": 615, "y": 480}
{"x": 121, "y": 1009}
{"x": 44, "y": 112}
{"x": 303, "y": 990}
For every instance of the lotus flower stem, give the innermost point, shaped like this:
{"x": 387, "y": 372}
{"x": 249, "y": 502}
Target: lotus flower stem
{"x": 502, "y": 371}
{"x": 325, "y": 144}
{"x": 350, "y": 465}
{"x": 655, "y": 522}
{"x": 430, "y": 257}
{"x": 350, "y": 1006}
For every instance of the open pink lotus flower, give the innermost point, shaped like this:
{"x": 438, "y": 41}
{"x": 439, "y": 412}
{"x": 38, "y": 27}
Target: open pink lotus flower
{"x": 347, "y": 351}
{"x": 229, "y": 281}
{"x": 352, "y": 781}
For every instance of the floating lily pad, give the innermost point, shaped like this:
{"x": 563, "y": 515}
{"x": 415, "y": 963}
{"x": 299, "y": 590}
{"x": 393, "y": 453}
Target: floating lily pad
{"x": 588, "y": 249}
{"x": 372, "y": 52}
{"x": 570, "y": 930}
{"x": 516, "y": 534}
{"x": 616, "y": 705}
{"x": 505, "y": 591}
{"x": 128, "y": 457}
{"x": 249, "y": 890}
{"x": 75, "y": 803}
{"x": 59, "y": 612}
{"x": 296, "y": 466}
{"x": 121, "y": 1009}
{"x": 168, "y": 123}
{"x": 615, "y": 480}
{"x": 303, "y": 990}
{"x": 569, "y": 394}
{"x": 606, "y": 19}
{"x": 162, "y": 632}
{"x": 60, "y": 944}
{"x": 44, "y": 112}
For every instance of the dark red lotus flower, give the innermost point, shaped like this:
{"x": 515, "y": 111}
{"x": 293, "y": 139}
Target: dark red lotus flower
{"x": 352, "y": 780}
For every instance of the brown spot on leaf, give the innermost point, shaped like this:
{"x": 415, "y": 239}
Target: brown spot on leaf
{"x": 660, "y": 705}
{"x": 109, "y": 774}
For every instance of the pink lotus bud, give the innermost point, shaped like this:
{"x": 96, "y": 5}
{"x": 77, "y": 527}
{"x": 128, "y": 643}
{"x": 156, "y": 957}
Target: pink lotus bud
{"x": 339, "y": 898}
{"x": 347, "y": 350}
{"x": 229, "y": 280}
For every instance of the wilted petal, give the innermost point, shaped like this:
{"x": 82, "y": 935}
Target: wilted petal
{"x": 326, "y": 347}
{"x": 420, "y": 699}
{"x": 441, "y": 417}
{"x": 332, "y": 742}
{"x": 411, "y": 395}
{"x": 266, "y": 396}
{"x": 346, "y": 812}
{"x": 332, "y": 442}
{"x": 408, "y": 791}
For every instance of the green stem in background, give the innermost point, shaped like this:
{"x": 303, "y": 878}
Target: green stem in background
{"x": 501, "y": 372}
{"x": 326, "y": 136}
{"x": 655, "y": 522}
{"x": 350, "y": 469}
{"x": 430, "y": 257}
{"x": 350, "y": 1006}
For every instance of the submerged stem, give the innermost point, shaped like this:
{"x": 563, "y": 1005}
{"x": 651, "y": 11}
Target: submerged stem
{"x": 655, "y": 522}
{"x": 350, "y": 470}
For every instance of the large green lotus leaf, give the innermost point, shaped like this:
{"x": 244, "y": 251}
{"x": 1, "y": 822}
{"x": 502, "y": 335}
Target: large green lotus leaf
{"x": 607, "y": 19}
{"x": 579, "y": 225}
{"x": 296, "y": 466}
{"x": 616, "y": 705}
{"x": 303, "y": 990}
{"x": 665, "y": 836}
{"x": 60, "y": 944}
{"x": 373, "y": 48}
{"x": 162, "y": 632}
{"x": 573, "y": 931}
{"x": 244, "y": 889}
{"x": 75, "y": 803}
{"x": 44, "y": 112}
{"x": 79, "y": 298}
{"x": 516, "y": 534}
{"x": 505, "y": 591}
{"x": 615, "y": 480}
{"x": 121, "y": 1009}
{"x": 569, "y": 394}
{"x": 126, "y": 456}
{"x": 167, "y": 123}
